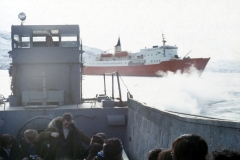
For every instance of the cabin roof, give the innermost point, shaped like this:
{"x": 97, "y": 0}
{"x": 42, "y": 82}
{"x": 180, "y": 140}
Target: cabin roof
{"x": 18, "y": 29}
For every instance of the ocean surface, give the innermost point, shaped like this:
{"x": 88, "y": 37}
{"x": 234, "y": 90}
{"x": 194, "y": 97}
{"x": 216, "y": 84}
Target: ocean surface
{"x": 216, "y": 93}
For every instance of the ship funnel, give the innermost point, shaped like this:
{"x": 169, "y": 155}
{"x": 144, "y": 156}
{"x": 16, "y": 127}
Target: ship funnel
{"x": 118, "y": 46}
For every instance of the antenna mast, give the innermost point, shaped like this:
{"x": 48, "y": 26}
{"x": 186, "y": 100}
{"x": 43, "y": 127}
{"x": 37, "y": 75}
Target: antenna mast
{"x": 164, "y": 41}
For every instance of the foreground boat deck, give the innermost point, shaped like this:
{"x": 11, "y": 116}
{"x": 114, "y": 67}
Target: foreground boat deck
{"x": 140, "y": 127}
{"x": 49, "y": 107}
{"x": 89, "y": 105}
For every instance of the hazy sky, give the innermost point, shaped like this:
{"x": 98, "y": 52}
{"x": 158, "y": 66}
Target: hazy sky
{"x": 210, "y": 28}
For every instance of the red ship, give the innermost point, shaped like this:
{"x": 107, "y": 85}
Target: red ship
{"x": 147, "y": 62}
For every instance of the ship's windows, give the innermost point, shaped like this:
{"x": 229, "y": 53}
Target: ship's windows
{"x": 69, "y": 40}
{"x": 40, "y": 41}
{"x": 21, "y": 41}
{"x": 39, "y": 37}
{"x": 41, "y": 32}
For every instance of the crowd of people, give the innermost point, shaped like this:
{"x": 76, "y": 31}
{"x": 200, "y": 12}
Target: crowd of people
{"x": 63, "y": 140}
{"x": 191, "y": 147}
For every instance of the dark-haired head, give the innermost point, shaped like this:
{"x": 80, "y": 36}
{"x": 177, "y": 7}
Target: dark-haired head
{"x": 49, "y": 41}
{"x": 103, "y": 135}
{"x": 48, "y": 37}
{"x": 189, "y": 147}
{"x": 6, "y": 141}
{"x": 112, "y": 149}
{"x": 67, "y": 117}
{"x": 96, "y": 139}
{"x": 95, "y": 148}
{"x": 67, "y": 120}
{"x": 225, "y": 155}
{"x": 153, "y": 154}
{"x": 165, "y": 155}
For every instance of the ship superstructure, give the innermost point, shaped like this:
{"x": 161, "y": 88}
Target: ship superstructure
{"x": 146, "y": 62}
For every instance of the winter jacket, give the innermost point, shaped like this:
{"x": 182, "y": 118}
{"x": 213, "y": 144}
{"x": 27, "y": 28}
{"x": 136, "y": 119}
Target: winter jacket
{"x": 15, "y": 153}
{"x": 41, "y": 149}
{"x": 71, "y": 147}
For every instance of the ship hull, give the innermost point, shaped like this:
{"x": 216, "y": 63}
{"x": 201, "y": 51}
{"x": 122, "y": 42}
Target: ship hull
{"x": 150, "y": 70}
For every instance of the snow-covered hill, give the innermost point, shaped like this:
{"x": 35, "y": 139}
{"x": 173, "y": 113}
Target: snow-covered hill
{"x": 215, "y": 65}
{"x": 5, "y": 47}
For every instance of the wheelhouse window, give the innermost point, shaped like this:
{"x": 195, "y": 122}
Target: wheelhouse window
{"x": 21, "y": 41}
{"x": 69, "y": 40}
{"x": 40, "y": 37}
{"x": 41, "y": 41}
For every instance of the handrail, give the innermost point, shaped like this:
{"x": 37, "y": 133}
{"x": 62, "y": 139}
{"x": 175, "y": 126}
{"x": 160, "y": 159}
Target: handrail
{"x": 3, "y": 100}
{"x": 119, "y": 87}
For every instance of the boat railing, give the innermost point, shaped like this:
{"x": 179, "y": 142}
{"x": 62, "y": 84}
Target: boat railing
{"x": 105, "y": 96}
{"x": 119, "y": 88}
{"x": 3, "y": 100}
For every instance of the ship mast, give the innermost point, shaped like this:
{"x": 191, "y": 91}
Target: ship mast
{"x": 164, "y": 41}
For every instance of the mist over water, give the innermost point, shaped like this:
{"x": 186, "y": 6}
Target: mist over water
{"x": 4, "y": 83}
{"x": 213, "y": 94}
{"x": 216, "y": 93}
{"x": 207, "y": 95}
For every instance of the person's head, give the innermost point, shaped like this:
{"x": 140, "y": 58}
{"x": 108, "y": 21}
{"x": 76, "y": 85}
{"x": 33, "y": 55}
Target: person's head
{"x": 165, "y": 155}
{"x": 49, "y": 41}
{"x": 103, "y": 135}
{"x": 67, "y": 120}
{"x": 31, "y": 136}
{"x": 225, "y": 155}
{"x": 94, "y": 150}
{"x": 96, "y": 139}
{"x": 6, "y": 141}
{"x": 188, "y": 147}
{"x": 153, "y": 154}
{"x": 112, "y": 149}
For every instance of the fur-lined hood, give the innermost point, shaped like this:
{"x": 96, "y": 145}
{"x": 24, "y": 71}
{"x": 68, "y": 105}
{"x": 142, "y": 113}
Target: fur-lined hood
{"x": 56, "y": 124}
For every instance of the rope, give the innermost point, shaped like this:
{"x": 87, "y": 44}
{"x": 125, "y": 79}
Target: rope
{"x": 123, "y": 83}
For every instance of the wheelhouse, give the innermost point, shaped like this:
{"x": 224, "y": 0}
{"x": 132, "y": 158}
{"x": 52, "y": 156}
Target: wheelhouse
{"x": 42, "y": 74}
{"x": 35, "y": 36}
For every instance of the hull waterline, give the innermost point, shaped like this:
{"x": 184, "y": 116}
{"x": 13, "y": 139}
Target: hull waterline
{"x": 150, "y": 70}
